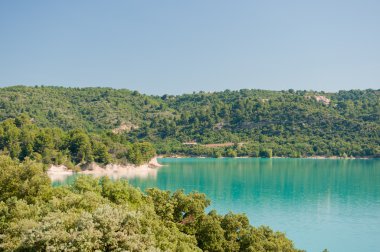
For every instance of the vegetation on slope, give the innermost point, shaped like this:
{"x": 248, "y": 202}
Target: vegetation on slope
{"x": 101, "y": 215}
{"x": 22, "y": 139}
{"x": 260, "y": 123}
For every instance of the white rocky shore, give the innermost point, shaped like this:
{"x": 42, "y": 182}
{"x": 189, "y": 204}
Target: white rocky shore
{"x": 114, "y": 171}
{"x": 59, "y": 173}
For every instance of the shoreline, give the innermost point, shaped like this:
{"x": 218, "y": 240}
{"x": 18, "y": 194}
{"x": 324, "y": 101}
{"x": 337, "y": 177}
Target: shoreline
{"x": 275, "y": 157}
{"x": 61, "y": 172}
{"x": 114, "y": 168}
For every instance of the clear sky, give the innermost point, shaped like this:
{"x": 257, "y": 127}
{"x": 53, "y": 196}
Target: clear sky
{"x": 180, "y": 46}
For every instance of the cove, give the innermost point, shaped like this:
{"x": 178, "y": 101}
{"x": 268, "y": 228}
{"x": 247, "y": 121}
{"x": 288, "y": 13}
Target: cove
{"x": 333, "y": 204}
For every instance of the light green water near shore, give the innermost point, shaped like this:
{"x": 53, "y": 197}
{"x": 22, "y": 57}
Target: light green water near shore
{"x": 319, "y": 204}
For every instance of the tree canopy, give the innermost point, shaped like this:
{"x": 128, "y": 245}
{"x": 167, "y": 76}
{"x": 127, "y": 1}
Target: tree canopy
{"x": 22, "y": 139}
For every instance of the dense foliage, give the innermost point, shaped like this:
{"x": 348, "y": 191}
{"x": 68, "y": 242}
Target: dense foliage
{"x": 101, "y": 215}
{"x": 259, "y": 123}
{"x": 21, "y": 139}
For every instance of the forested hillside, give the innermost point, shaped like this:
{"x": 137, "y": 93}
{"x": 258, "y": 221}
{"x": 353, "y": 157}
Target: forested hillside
{"x": 21, "y": 139}
{"x": 248, "y": 122}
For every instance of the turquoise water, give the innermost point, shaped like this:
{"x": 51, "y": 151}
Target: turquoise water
{"x": 333, "y": 204}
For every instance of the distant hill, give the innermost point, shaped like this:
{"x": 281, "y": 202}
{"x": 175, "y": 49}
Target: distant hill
{"x": 280, "y": 123}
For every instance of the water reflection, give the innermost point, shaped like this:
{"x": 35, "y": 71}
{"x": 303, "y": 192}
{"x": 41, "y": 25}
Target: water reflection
{"x": 250, "y": 179}
{"x": 59, "y": 177}
{"x": 59, "y": 173}
{"x": 124, "y": 173}
{"x": 332, "y": 204}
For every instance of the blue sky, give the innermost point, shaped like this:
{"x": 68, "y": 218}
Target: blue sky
{"x": 175, "y": 47}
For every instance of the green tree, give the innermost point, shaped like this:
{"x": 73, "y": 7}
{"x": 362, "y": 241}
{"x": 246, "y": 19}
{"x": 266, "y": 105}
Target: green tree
{"x": 266, "y": 153}
{"x": 210, "y": 234}
{"x": 25, "y": 181}
{"x": 140, "y": 153}
{"x": 100, "y": 153}
{"x": 231, "y": 153}
{"x": 79, "y": 146}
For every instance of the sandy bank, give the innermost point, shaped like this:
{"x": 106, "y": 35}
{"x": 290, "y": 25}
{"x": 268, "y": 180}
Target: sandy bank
{"x": 59, "y": 172}
{"x": 114, "y": 171}
{"x": 153, "y": 163}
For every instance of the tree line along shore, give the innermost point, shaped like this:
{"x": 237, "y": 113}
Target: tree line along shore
{"x": 21, "y": 139}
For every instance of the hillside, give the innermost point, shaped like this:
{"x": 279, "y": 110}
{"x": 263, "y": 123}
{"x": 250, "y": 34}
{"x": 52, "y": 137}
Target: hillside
{"x": 260, "y": 123}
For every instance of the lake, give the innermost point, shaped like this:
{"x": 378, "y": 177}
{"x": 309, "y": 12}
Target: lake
{"x": 333, "y": 204}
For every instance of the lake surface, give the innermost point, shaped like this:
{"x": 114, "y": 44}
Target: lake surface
{"x": 333, "y": 204}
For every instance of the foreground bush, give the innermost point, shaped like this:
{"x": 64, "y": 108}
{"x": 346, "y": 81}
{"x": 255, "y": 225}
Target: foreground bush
{"x": 101, "y": 215}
